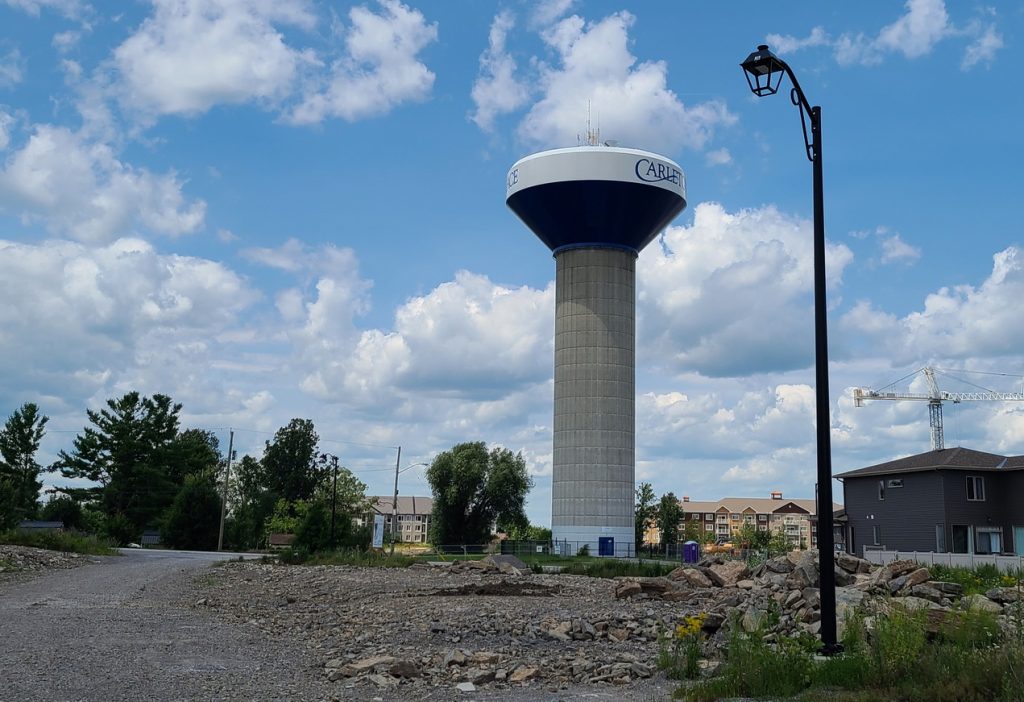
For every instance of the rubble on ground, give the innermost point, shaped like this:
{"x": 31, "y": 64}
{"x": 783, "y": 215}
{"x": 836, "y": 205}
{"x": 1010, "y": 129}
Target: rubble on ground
{"x": 787, "y": 587}
{"x": 468, "y": 623}
{"x": 19, "y": 561}
{"x": 494, "y": 624}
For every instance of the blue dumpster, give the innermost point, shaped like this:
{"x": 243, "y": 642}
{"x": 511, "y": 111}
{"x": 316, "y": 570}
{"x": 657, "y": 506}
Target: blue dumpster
{"x": 691, "y": 552}
{"x": 606, "y": 545}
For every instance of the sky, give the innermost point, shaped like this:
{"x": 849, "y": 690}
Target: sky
{"x": 270, "y": 209}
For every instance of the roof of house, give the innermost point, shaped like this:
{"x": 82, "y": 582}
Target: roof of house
{"x": 958, "y": 458}
{"x": 758, "y": 505}
{"x": 39, "y": 524}
{"x": 406, "y": 505}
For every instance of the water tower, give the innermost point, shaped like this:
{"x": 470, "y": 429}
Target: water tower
{"x": 595, "y": 207}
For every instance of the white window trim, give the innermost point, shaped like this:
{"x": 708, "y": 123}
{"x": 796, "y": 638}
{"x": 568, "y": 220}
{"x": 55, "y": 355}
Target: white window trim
{"x": 977, "y": 480}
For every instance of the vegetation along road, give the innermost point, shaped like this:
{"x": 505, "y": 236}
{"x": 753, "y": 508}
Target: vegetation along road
{"x": 120, "y": 630}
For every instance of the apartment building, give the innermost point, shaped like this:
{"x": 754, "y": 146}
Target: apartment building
{"x": 722, "y": 519}
{"x": 413, "y": 517}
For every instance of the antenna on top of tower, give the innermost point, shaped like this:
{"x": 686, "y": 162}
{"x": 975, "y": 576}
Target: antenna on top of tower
{"x": 593, "y": 135}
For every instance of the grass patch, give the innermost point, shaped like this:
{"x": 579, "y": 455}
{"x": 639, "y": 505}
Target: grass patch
{"x": 901, "y": 657}
{"x": 612, "y": 568}
{"x": 365, "y": 559}
{"x": 63, "y": 541}
{"x": 976, "y": 580}
{"x": 7, "y": 566}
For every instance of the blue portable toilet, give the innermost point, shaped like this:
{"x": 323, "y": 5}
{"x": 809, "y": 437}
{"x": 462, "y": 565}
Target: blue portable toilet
{"x": 606, "y": 545}
{"x": 691, "y": 552}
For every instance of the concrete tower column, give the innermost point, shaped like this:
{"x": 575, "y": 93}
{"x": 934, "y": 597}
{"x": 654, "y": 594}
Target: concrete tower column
{"x": 596, "y": 208}
{"x": 593, "y": 462}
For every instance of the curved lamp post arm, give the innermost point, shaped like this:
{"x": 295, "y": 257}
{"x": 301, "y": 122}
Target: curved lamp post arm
{"x": 764, "y": 71}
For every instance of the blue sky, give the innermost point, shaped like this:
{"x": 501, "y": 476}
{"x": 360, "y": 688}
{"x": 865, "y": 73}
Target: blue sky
{"x": 277, "y": 209}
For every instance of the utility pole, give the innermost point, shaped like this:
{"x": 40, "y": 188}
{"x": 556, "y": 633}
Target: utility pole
{"x": 224, "y": 500}
{"x": 394, "y": 505}
{"x": 334, "y": 498}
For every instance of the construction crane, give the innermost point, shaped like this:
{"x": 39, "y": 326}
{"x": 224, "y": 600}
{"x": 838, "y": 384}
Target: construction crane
{"x": 935, "y": 397}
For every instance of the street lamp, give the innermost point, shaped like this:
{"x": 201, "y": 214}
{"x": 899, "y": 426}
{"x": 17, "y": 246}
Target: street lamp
{"x": 324, "y": 458}
{"x": 764, "y": 71}
{"x": 394, "y": 504}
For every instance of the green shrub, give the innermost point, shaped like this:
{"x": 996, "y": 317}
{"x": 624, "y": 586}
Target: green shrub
{"x": 349, "y": 557}
{"x": 966, "y": 661}
{"x": 64, "y": 541}
{"x": 584, "y": 550}
{"x": 976, "y": 580}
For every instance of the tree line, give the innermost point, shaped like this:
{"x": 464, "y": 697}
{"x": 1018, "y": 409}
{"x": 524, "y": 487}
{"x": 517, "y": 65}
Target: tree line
{"x": 134, "y": 467}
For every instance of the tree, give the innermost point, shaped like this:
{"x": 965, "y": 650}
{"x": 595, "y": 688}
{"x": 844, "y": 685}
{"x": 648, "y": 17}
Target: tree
{"x": 475, "y": 490}
{"x": 66, "y": 510}
{"x": 644, "y": 511}
{"x": 692, "y": 529}
{"x": 746, "y": 536}
{"x": 289, "y": 461}
{"x": 193, "y": 452}
{"x": 531, "y": 532}
{"x": 778, "y": 543}
{"x": 129, "y": 451}
{"x": 19, "y": 472}
{"x": 251, "y": 504}
{"x": 668, "y": 516}
{"x": 193, "y": 520}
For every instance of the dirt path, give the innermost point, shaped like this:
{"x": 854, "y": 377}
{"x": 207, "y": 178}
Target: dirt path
{"x": 116, "y": 630}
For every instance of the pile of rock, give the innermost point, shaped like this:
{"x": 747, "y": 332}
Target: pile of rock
{"x": 495, "y": 564}
{"x": 788, "y": 587}
{"x": 25, "y": 559}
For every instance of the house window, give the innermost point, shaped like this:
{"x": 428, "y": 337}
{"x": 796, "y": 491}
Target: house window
{"x": 896, "y": 483}
{"x": 709, "y": 527}
{"x": 876, "y": 534}
{"x": 975, "y": 488}
{"x": 735, "y": 517}
{"x": 881, "y": 489}
{"x": 990, "y": 540}
{"x": 762, "y": 517}
{"x": 961, "y": 539}
{"x": 709, "y": 517}
{"x": 940, "y": 538}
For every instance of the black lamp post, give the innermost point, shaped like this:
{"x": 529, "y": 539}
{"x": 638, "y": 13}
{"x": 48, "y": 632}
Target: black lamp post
{"x": 324, "y": 457}
{"x": 764, "y": 71}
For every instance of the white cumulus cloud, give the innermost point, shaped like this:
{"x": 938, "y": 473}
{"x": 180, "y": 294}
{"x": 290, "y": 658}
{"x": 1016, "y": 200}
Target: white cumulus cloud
{"x": 79, "y": 188}
{"x": 497, "y": 90}
{"x": 895, "y": 250}
{"x": 730, "y": 294}
{"x": 12, "y": 69}
{"x": 86, "y": 315}
{"x": 630, "y": 100}
{"x": 959, "y": 322}
{"x": 193, "y": 54}
{"x": 379, "y": 69}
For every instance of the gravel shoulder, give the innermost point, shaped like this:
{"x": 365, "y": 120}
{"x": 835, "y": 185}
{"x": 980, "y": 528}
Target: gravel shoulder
{"x": 417, "y": 633}
{"x": 116, "y": 629}
{"x": 168, "y": 626}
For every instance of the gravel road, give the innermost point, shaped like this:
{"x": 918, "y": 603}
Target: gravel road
{"x": 129, "y": 628}
{"x": 117, "y": 630}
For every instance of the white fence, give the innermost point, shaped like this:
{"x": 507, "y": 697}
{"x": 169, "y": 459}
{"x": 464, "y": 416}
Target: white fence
{"x": 953, "y": 560}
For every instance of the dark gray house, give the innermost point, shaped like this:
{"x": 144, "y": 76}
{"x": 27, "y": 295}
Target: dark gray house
{"x": 954, "y": 500}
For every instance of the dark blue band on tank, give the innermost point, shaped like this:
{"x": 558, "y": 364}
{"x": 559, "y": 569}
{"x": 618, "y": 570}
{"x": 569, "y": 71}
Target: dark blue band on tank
{"x": 596, "y": 245}
{"x": 596, "y": 212}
